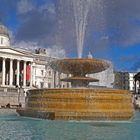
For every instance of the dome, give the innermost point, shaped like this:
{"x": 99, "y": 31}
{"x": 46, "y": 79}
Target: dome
{"x": 4, "y": 37}
{"x": 3, "y": 30}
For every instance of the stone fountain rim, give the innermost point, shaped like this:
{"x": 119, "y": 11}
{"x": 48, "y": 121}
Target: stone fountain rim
{"x": 79, "y": 88}
{"x": 67, "y": 65}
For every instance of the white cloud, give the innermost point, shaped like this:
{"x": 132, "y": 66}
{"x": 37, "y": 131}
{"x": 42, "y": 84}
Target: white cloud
{"x": 53, "y": 51}
{"x": 56, "y": 51}
{"x": 24, "y": 6}
{"x": 105, "y": 37}
{"x": 26, "y": 45}
{"x": 48, "y": 6}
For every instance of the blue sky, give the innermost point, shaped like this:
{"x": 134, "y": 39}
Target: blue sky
{"x": 113, "y": 28}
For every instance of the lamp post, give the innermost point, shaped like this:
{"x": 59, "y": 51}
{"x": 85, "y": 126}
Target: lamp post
{"x": 19, "y": 92}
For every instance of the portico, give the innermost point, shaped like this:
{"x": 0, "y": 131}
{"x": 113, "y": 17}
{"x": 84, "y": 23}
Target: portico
{"x": 13, "y": 70}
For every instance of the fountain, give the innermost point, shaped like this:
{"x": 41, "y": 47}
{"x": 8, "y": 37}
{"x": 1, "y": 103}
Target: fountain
{"x": 79, "y": 102}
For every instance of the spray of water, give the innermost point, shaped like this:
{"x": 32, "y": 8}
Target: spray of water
{"x": 81, "y": 9}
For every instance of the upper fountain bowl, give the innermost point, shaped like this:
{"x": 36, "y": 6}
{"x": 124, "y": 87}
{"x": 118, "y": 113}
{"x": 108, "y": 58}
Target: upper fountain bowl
{"x": 80, "y": 67}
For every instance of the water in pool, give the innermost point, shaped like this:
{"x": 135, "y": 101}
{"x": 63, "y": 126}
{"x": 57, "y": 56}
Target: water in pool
{"x": 14, "y": 127}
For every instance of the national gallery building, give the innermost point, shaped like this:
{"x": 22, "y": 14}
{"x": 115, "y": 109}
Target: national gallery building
{"x": 21, "y": 70}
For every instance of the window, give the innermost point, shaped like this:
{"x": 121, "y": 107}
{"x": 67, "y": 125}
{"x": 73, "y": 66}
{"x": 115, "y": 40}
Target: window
{"x": 41, "y": 84}
{"x": 67, "y": 85}
{"x": 42, "y": 72}
{"x": 1, "y": 40}
{"x": 49, "y": 85}
{"x": 49, "y": 73}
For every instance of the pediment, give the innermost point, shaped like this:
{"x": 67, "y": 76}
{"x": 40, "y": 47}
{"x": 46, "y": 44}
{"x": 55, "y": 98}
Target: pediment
{"x": 11, "y": 51}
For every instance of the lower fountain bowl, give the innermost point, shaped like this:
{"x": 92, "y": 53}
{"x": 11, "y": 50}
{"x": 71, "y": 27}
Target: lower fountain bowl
{"x": 78, "y": 104}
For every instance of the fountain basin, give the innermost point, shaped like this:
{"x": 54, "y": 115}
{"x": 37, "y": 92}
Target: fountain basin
{"x": 79, "y": 67}
{"x": 79, "y": 104}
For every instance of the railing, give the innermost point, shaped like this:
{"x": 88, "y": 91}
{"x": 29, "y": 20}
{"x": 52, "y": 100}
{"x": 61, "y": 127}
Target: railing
{"x": 1, "y": 89}
{"x": 7, "y": 89}
{"x": 12, "y": 90}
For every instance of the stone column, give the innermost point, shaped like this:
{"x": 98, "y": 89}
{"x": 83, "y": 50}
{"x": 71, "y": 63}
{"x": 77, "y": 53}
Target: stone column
{"x": 11, "y": 72}
{"x": 24, "y": 74}
{"x": 54, "y": 77}
{"x": 3, "y": 71}
{"x": 31, "y": 73}
{"x": 135, "y": 86}
{"x": 18, "y": 71}
{"x": 59, "y": 80}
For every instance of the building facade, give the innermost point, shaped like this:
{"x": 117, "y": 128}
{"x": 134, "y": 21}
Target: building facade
{"x": 132, "y": 82}
{"x": 121, "y": 80}
{"x": 136, "y": 82}
{"x": 126, "y": 81}
{"x": 22, "y": 69}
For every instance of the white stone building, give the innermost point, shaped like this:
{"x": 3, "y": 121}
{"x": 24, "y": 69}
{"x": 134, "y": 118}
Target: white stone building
{"x": 18, "y": 64}
{"x": 125, "y": 80}
{"x": 131, "y": 81}
{"x": 135, "y": 84}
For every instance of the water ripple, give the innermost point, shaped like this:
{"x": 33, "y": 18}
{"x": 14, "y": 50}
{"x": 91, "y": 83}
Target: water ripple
{"x": 14, "y": 127}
